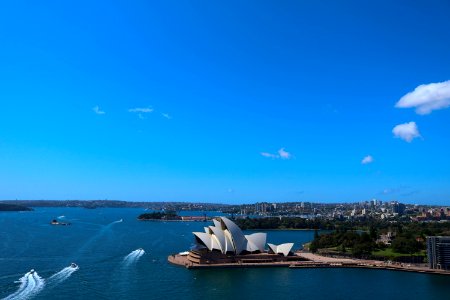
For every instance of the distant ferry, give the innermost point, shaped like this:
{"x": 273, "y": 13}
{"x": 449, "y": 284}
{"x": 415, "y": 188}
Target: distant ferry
{"x": 56, "y": 222}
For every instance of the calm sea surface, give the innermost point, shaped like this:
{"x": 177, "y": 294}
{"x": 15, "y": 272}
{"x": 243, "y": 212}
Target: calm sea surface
{"x": 110, "y": 268}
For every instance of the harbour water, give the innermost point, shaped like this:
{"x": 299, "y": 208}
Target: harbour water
{"x": 106, "y": 245}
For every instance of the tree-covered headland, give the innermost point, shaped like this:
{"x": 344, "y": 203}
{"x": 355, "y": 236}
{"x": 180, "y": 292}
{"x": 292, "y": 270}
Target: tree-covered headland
{"x": 398, "y": 240}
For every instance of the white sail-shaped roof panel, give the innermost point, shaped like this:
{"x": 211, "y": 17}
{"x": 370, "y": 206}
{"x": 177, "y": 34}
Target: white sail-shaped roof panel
{"x": 229, "y": 247}
{"x": 205, "y": 238}
{"x": 217, "y": 224}
{"x": 220, "y": 236}
{"x": 251, "y": 247}
{"x": 237, "y": 237}
{"x": 285, "y": 248}
{"x": 258, "y": 239}
{"x": 215, "y": 245}
{"x": 281, "y": 249}
{"x": 272, "y": 247}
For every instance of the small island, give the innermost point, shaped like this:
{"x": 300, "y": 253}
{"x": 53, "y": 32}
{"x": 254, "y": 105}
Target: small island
{"x": 160, "y": 216}
{"x": 13, "y": 207}
{"x": 171, "y": 216}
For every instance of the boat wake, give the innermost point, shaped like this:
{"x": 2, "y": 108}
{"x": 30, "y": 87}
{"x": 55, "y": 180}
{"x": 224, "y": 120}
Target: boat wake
{"x": 30, "y": 285}
{"x": 62, "y": 275}
{"x": 104, "y": 229}
{"x": 133, "y": 257}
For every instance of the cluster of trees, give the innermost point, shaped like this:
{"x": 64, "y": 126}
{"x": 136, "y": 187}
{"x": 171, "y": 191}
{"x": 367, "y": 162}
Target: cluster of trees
{"x": 167, "y": 215}
{"x": 358, "y": 244}
{"x": 370, "y": 225}
{"x": 361, "y": 241}
{"x": 13, "y": 207}
{"x": 284, "y": 223}
{"x": 407, "y": 244}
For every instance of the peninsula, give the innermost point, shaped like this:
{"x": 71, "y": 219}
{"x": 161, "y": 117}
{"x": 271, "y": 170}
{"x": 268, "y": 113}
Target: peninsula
{"x": 224, "y": 245}
{"x": 13, "y": 207}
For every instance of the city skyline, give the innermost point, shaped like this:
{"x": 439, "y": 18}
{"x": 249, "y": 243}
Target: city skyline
{"x": 225, "y": 103}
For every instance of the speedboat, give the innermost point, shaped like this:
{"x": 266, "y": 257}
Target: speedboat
{"x": 32, "y": 271}
{"x": 74, "y": 265}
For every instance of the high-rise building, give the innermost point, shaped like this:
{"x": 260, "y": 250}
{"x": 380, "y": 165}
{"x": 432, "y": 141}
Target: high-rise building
{"x": 438, "y": 250}
{"x": 398, "y": 208}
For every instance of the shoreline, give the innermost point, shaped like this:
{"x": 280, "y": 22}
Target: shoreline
{"x": 158, "y": 220}
{"x": 285, "y": 229}
{"x": 311, "y": 261}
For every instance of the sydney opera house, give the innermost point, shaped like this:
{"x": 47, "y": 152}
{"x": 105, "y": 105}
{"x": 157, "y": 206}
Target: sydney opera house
{"x": 224, "y": 243}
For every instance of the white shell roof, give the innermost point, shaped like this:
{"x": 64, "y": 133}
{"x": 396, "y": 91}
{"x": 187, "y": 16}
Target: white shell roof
{"x": 226, "y": 236}
{"x": 257, "y": 241}
{"x": 281, "y": 249}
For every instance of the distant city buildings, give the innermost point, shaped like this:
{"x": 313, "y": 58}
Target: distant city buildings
{"x": 438, "y": 250}
{"x": 398, "y": 208}
{"x": 374, "y": 209}
{"x": 371, "y": 209}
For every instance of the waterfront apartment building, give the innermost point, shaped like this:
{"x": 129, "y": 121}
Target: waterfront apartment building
{"x": 438, "y": 250}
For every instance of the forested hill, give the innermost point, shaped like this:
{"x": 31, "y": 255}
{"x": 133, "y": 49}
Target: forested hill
{"x": 13, "y": 207}
{"x": 176, "y": 206}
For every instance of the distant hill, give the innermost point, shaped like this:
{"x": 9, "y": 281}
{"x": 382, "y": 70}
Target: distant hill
{"x": 176, "y": 206}
{"x": 13, "y": 207}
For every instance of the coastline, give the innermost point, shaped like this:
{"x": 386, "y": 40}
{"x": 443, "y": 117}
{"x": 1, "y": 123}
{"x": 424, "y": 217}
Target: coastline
{"x": 310, "y": 261}
{"x": 283, "y": 229}
{"x": 159, "y": 220}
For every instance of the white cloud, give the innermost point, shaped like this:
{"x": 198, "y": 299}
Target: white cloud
{"x": 427, "y": 97}
{"x": 97, "y": 110}
{"x": 367, "y": 160}
{"x": 270, "y": 155}
{"x": 141, "y": 110}
{"x": 167, "y": 116}
{"x": 406, "y": 131}
{"x": 282, "y": 154}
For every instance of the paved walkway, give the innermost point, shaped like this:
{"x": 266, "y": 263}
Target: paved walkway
{"x": 325, "y": 259}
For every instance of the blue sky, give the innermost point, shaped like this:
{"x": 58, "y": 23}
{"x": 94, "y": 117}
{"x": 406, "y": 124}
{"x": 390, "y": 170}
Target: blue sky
{"x": 225, "y": 102}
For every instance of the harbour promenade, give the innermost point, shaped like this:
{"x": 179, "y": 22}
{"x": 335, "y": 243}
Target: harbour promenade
{"x": 310, "y": 260}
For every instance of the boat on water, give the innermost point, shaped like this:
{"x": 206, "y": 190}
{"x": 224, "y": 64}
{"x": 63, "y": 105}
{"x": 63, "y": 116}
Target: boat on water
{"x": 32, "y": 271}
{"x": 56, "y": 222}
{"x": 74, "y": 265}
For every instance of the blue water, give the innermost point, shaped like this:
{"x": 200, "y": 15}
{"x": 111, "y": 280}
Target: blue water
{"x": 110, "y": 267}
